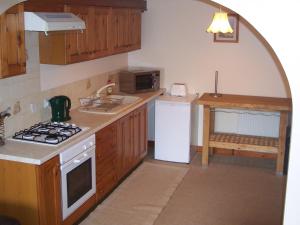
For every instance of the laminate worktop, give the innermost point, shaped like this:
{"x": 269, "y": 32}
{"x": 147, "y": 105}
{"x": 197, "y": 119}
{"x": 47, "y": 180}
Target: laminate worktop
{"x": 91, "y": 123}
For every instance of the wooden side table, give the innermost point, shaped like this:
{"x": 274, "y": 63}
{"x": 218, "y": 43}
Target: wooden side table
{"x": 244, "y": 142}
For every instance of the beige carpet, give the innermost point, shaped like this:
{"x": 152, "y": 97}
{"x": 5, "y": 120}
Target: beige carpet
{"x": 228, "y": 192}
{"x": 141, "y": 198}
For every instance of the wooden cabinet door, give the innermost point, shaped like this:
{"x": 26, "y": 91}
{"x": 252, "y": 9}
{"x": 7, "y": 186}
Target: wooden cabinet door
{"x": 125, "y": 145}
{"x": 140, "y": 132}
{"x": 77, "y": 42}
{"x": 100, "y": 32}
{"x": 49, "y": 192}
{"x": 13, "y": 60}
{"x": 143, "y": 128}
{"x": 106, "y": 160}
{"x": 119, "y": 30}
{"x": 134, "y": 26}
{"x": 136, "y": 136}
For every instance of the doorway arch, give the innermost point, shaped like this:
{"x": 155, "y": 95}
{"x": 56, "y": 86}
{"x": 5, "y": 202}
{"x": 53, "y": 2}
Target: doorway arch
{"x": 277, "y": 23}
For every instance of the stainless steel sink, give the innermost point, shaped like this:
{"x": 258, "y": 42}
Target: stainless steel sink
{"x": 111, "y": 104}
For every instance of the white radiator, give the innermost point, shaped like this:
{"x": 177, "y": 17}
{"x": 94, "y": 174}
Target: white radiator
{"x": 247, "y": 122}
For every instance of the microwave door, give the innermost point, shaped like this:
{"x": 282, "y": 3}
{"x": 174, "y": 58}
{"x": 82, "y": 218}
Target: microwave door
{"x": 144, "y": 82}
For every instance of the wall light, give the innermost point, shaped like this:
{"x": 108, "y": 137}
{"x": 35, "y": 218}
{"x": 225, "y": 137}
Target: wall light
{"x": 220, "y": 23}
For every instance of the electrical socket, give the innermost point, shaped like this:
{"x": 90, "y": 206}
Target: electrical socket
{"x": 46, "y": 103}
{"x": 33, "y": 108}
{"x": 16, "y": 107}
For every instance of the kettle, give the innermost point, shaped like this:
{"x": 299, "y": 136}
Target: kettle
{"x": 60, "y": 106}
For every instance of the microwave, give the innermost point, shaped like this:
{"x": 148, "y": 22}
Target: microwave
{"x": 139, "y": 80}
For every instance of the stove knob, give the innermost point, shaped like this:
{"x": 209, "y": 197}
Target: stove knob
{"x": 91, "y": 143}
{"x": 84, "y": 147}
{"x": 67, "y": 124}
{"x": 73, "y": 125}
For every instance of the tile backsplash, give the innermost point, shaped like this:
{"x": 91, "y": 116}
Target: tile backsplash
{"x": 23, "y": 93}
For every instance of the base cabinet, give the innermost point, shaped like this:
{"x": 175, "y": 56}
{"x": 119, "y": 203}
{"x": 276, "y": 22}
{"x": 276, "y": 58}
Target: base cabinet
{"x": 49, "y": 193}
{"x": 106, "y": 160}
{"x": 31, "y": 193}
{"x": 119, "y": 148}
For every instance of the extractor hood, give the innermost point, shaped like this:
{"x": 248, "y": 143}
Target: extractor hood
{"x": 52, "y": 21}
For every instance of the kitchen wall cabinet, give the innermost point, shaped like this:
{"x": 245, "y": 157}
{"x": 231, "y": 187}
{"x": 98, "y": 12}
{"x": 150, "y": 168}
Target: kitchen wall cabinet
{"x": 31, "y": 193}
{"x": 100, "y": 35}
{"x": 126, "y": 30}
{"x": 12, "y": 38}
{"x": 78, "y": 47}
{"x": 66, "y": 47}
{"x": 108, "y": 31}
{"x": 39, "y": 6}
{"x": 135, "y": 25}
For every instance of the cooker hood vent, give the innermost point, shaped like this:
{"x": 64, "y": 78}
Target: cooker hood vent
{"x": 50, "y": 21}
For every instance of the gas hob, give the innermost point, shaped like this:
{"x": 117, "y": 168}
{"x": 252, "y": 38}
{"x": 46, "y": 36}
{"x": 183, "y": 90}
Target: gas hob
{"x": 48, "y": 133}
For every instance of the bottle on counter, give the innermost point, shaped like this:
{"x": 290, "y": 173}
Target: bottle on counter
{"x": 109, "y": 89}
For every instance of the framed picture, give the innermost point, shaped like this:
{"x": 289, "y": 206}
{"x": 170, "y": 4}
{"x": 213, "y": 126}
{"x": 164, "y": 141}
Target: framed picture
{"x": 230, "y": 37}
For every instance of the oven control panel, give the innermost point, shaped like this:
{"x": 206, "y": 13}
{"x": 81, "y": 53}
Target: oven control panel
{"x": 76, "y": 149}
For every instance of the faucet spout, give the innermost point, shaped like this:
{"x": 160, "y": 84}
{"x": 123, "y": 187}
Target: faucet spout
{"x": 103, "y": 88}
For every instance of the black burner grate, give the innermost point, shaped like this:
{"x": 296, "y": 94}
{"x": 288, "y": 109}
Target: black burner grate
{"x": 51, "y": 133}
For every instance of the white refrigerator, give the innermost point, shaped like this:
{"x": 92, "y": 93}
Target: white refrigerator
{"x": 173, "y": 128}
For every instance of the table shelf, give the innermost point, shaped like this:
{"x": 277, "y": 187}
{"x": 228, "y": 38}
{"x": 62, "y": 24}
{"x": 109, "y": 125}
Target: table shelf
{"x": 244, "y": 142}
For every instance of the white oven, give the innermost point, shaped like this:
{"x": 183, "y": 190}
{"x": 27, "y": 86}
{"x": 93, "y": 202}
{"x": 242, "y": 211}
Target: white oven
{"x": 77, "y": 175}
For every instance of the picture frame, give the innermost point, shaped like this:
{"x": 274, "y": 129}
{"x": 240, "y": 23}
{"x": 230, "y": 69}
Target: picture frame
{"x": 230, "y": 37}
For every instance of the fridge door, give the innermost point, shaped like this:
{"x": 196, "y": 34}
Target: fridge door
{"x": 172, "y": 131}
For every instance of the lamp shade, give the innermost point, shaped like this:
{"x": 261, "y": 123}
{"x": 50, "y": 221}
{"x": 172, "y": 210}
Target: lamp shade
{"x": 220, "y": 23}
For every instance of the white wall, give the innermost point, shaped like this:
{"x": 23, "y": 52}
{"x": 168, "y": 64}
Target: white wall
{"x": 174, "y": 39}
{"x": 53, "y": 76}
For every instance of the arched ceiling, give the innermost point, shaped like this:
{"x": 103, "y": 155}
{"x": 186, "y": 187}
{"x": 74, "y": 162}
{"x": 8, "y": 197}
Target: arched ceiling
{"x": 6, "y": 4}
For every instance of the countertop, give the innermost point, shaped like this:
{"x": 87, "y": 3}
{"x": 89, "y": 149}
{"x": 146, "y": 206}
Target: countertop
{"x": 38, "y": 154}
{"x": 248, "y": 102}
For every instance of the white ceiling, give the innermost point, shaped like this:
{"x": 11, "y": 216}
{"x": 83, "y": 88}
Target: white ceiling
{"x": 6, "y": 4}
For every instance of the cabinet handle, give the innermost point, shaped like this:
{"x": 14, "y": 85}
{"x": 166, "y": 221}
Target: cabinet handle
{"x": 19, "y": 39}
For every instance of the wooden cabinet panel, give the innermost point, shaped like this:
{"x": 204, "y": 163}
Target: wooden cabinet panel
{"x": 108, "y": 31}
{"x": 18, "y": 192}
{"x": 78, "y": 41}
{"x": 31, "y": 193}
{"x": 132, "y": 140}
{"x": 143, "y": 131}
{"x": 106, "y": 160}
{"x": 119, "y": 148}
{"x": 125, "y": 145}
{"x": 12, "y": 37}
{"x": 140, "y": 132}
{"x": 119, "y": 29}
{"x": 126, "y": 30}
{"x": 100, "y": 32}
{"x": 135, "y": 20}
{"x": 49, "y": 192}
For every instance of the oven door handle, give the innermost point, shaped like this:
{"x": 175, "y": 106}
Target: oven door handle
{"x": 77, "y": 161}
